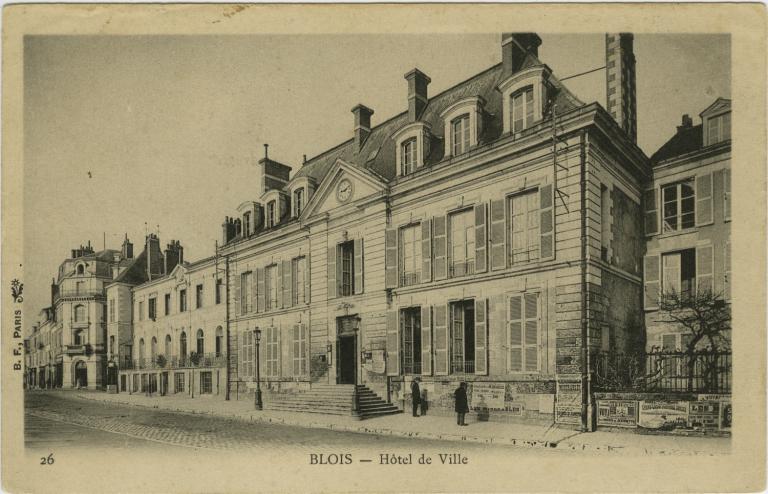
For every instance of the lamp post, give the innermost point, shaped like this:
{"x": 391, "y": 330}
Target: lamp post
{"x": 257, "y": 398}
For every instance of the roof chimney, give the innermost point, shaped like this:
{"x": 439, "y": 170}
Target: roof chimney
{"x": 274, "y": 175}
{"x": 687, "y": 122}
{"x": 362, "y": 124}
{"x": 515, "y": 47}
{"x": 155, "y": 261}
{"x": 127, "y": 248}
{"x": 621, "y": 96}
{"x": 417, "y": 93}
{"x": 174, "y": 254}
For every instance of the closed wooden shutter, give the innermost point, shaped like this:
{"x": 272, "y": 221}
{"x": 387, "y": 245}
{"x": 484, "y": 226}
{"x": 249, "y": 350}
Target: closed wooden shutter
{"x": 652, "y": 277}
{"x": 332, "y": 282}
{"x": 704, "y": 269}
{"x": 515, "y": 334}
{"x": 426, "y": 340}
{"x": 235, "y": 292}
{"x": 253, "y": 303}
{"x": 390, "y": 258}
{"x": 727, "y": 194}
{"x": 727, "y": 280}
{"x": 393, "y": 344}
{"x": 704, "y": 199}
{"x": 426, "y": 250}
{"x": 440, "y": 248}
{"x": 262, "y": 293}
{"x": 481, "y": 337}
{"x": 651, "y": 211}
{"x": 306, "y": 281}
{"x": 244, "y": 355}
{"x": 279, "y": 278}
{"x": 531, "y": 336}
{"x": 481, "y": 239}
{"x": 498, "y": 235}
{"x": 288, "y": 283}
{"x": 296, "y": 330}
{"x": 440, "y": 326}
{"x": 547, "y": 223}
{"x": 358, "y": 266}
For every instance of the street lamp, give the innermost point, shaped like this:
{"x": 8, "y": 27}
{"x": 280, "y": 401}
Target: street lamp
{"x": 257, "y": 403}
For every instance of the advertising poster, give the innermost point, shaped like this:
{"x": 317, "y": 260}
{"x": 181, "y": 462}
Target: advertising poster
{"x": 663, "y": 415}
{"x": 617, "y": 413}
{"x": 488, "y": 396}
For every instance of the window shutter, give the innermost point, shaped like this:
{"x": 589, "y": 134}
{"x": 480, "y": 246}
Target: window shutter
{"x": 390, "y": 258}
{"x": 727, "y": 281}
{"x": 704, "y": 269}
{"x": 358, "y": 266}
{"x": 481, "y": 239}
{"x": 531, "y": 336}
{"x": 440, "y": 248}
{"x": 547, "y": 223}
{"x": 393, "y": 344}
{"x": 651, "y": 273}
{"x": 426, "y": 340}
{"x": 262, "y": 293}
{"x": 727, "y": 194}
{"x": 498, "y": 235}
{"x": 243, "y": 357}
{"x": 515, "y": 334}
{"x": 254, "y": 292}
{"x": 279, "y": 351}
{"x": 236, "y": 293}
{"x": 332, "y": 284}
{"x": 481, "y": 337}
{"x": 278, "y": 269}
{"x": 426, "y": 250}
{"x": 306, "y": 281}
{"x": 304, "y": 349}
{"x": 296, "y": 350}
{"x": 704, "y": 199}
{"x": 441, "y": 340}
{"x": 651, "y": 210}
{"x": 288, "y": 283}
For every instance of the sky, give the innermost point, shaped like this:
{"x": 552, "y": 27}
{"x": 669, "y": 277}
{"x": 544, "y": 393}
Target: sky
{"x": 130, "y": 134}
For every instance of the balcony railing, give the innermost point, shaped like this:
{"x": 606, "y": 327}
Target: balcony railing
{"x": 174, "y": 362}
{"x": 463, "y": 367}
{"x": 409, "y": 279}
{"x": 84, "y": 292}
{"x": 413, "y": 368}
{"x": 83, "y": 349}
{"x": 462, "y": 268}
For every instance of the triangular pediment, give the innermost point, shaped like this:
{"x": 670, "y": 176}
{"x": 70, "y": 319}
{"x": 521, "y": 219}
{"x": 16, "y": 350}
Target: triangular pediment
{"x": 343, "y": 185}
{"x": 178, "y": 273}
{"x": 720, "y": 105}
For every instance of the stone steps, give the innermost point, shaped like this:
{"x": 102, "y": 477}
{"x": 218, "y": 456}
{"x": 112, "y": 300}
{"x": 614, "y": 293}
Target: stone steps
{"x": 334, "y": 400}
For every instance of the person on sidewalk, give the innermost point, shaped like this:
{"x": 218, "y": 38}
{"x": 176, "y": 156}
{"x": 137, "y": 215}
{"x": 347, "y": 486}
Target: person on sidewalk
{"x": 415, "y": 395}
{"x": 461, "y": 406}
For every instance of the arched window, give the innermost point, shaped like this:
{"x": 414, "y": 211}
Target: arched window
{"x": 79, "y": 337}
{"x": 167, "y": 345}
{"x": 521, "y": 107}
{"x": 298, "y": 201}
{"x": 271, "y": 220}
{"x": 154, "y": 349}
{"x": 460, "y": 134}
{"x": 200, "y": 342}
{"x": 183, "y": 345}
{"x": 219, "y": 341}
{"x": 80, "y": 269}
{"x": 141, "y": 352}
{"x": 246, "y": 223}
{"x": 408, "y": 156}
{"x": 80, "y": 313}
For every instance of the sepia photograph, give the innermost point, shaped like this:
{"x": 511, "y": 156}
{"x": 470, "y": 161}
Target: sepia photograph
{"x": 380, "y": 261}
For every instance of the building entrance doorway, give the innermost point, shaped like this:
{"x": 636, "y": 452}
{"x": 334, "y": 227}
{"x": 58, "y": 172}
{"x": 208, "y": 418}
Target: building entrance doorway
{"x": 163, "y": 384}
{"x": 81, "y": 374}
{"x": 346, "y": 350}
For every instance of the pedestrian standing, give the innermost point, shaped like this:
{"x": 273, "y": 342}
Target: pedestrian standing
{"x": 461, "y": 406}
{"x": 415, "y": 395}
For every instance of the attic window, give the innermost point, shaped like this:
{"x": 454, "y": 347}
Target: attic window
{"x": 270, "y": 214}
{"x": 524, "y": 94}
{"x": 298, "y": 201}
{"x": 463, "y": 122}
{"x": 719, "y": 128}
{"x": 408, "y": 156}
{"x": 413, "y": 147}
{"x": 460, "y": 134}
{"x": 522, "y": 109}
{"x": 80, "y": 269}
{"x": 246, "y": 223}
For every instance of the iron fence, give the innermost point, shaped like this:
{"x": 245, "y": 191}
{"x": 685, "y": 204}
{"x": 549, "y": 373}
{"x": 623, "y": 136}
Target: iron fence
{"x": 663, "y": 371}
{"x": 175, "y": 362}
{"x": 462, "y": 366}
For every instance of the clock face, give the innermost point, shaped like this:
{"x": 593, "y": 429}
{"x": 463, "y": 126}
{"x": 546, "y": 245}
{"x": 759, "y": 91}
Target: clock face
{"x": 344, "y": 190}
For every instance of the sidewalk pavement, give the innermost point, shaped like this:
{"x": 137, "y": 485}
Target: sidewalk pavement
{"x": 436, "y": 427}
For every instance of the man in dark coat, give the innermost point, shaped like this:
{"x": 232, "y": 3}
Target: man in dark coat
{"x": 462, "y": 407}
{"x": 415, "y": 395}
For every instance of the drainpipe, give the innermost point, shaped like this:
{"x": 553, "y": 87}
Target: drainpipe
{"x": 586, "y": 382}
{"x": 226, "y": 278}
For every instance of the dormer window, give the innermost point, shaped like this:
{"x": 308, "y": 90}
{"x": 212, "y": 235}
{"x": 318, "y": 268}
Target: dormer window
{"x": 80, "y": 269}
{"x": 270, "y": 214}
{"x": 522, "y": 109}
{"x": 460, "y": 134}
{"x": 408, "y": 156}
{"x": 298, "y": 201}
{"x": 246, "y": 224}
{"x": 719, "y": 128}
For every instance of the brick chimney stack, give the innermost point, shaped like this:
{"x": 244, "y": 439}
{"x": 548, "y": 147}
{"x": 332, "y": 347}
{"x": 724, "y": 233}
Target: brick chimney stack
{"x": 127, "y": 250}
{"x": 514, "y": 48}
{"x": 274, "y": 175}
{"x": 417, "y": 93}
{"x": 686, "y": 123}
{"x": 155, "y": 262}
{"x": 362, "y": 124}
{"x": 621, "y": 92}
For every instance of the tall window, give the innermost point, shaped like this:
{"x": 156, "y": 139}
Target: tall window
{"x": 524, "y": 227}
{"x": 298, "y": 278}
{"x": 271, "y": 286}
{"x": 80, "y": 287}
{"x": 141, "y": 352}
{"x": 152, "y": 308}
{"x": 523, "y": 333}
{"x": 408, "y": 156}
{"x": 182, "y": 300}
{"x": 605, "y": 222}
{"x": 178, "y": 381}
{"x": 183, "y": 345}
{"x": 206, "y": 383}
{"x": 80, "y": 313}
{"x": 679, "y": 273}
{"x": 199, "y": 296}
{"x": 246, "y": 365}
{"x": 111, "y": 310}
{"x": 80, "y": 269}
{"x": 270, "y": 214}
{"x": 463, "y": 337}
{"x": 219, "y": 341}
{"x": 219, "y": 290}
{"x": 410, "y": 323}
{"x": 346, "y": 257}
{"x": 522, "y": 109}
{"x": 246, "y": 292}
{"x": 111, "y": 345}
{"x": 460, "y": 134}
{"x": 272, "y": 349}
{"x": 462, "y": 239}
{"x": 200, "y": 342}
{"x": 246, "y": 223}
{"x": 410, "y": 255}
{"x": 167, "y": 348}
{"x": 153, "y": 349}
{"x": 167, "y": 304}
{"x": 298, "y": 201}
{"x": 679, "y": 206}
{"x": 79, "y": 337}
{"x": 299, "y": 350}
{"x": 719, "y": 128}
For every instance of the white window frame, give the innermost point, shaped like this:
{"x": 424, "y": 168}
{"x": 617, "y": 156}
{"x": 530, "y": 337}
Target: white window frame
{"x": 298, "y": 201}
{"x": 679, "y": 203}
{"x": 460, "y": 135}
{"x": 536, "y": 77}
{"x": 523, "y": 347}
{"x": 531, "y": 233}
{"x": 272, "y": 347}
{"x": 299, "y": 280}
{"x": 528, "y": 105}
{"x": 408, "y": 155}
{"x": 271, "y": 286}
{"x": 473, "y": 107}
{"x": 299, "y": 350}
{"x": 468, "y": 232}
{"x": 246, "y": 292}
{"x": 410, "y": 275}
{"x": 421, "y": 132}
{"x": 247, "y": 355}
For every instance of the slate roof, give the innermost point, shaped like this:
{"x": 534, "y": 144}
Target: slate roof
{"x": 136, "y": 272}
{"x": 686, "y": 140}
{"x": 378, "y": 152}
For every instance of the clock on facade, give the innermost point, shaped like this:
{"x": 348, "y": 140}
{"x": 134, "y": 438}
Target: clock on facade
{"x": 344, "y": 190}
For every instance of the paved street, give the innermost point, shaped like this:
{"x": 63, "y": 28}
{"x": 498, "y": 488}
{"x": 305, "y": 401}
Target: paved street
{"x": 63, "y": 419}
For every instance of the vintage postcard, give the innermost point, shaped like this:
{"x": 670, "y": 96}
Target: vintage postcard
{"x": 383, "y": 248}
